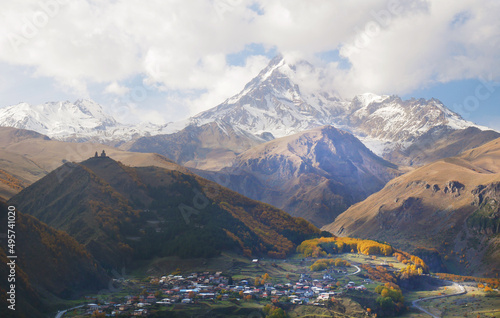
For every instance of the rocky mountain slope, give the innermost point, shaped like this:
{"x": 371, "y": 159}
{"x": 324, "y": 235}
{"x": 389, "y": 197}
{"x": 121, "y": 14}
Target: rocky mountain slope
{"x": 316, "y": 174}
{"x": 441, "y": 142}
{"x": 209, "y": 147}
{"x": 451, "y": 205}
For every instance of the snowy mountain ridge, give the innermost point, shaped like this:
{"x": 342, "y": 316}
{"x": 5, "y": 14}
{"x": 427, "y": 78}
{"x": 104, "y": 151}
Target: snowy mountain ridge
{"x": 275, "y": 103}
{"x": 283, "y": 99}
{"x": 79, "y": 121}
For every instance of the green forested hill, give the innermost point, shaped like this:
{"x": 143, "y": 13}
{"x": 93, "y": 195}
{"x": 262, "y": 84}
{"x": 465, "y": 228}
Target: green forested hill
{"x": 121, "y": 213}
{"x": 50, "y": 264}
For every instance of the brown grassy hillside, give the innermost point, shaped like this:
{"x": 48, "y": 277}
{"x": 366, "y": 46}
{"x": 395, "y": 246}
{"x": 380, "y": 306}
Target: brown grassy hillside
{"x": 27, "y": 156}
{"x": 451, "y": 205}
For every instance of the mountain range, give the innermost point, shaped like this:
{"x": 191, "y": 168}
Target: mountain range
{"x": 283, "y": 99}
{"x": 315, "y": 174}
{"x": 410, "y": 172}
{"x": 83, "y": 120}
{"x": 280, "y": 101}
{"x": 228, "y": 139}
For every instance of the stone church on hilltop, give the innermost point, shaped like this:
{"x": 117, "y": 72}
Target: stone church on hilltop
{"x": 103, "y": 155}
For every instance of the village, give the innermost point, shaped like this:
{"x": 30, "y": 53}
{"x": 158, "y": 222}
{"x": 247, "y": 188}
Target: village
{"x": 236, "y": 286}
{"x": 180, "y": 291}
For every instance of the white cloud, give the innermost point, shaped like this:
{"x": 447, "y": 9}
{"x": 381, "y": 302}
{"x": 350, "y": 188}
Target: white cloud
{"x": 216, "y": 79}
{"x": 116, "y": 89}
{"x": 229, "y": 81}
{"x": 425, "y": 47}
{"x": 181, "y": 47}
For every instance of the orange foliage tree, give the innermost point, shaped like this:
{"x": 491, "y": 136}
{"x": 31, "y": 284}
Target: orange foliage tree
{"x": 335, "y": 245}
{"x": 492, "y": 282}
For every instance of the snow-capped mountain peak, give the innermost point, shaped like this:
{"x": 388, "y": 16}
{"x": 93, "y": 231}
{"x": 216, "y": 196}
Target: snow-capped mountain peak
{"x": 278, "y": 101}
{"x": 78, "y": 121}
{"x": 274, "y": 103}
{"x": 275, "y": 64}
{"x": 368, "y": 98}
{"x": 95, "y": 110}
{"x": 55, "y": 118}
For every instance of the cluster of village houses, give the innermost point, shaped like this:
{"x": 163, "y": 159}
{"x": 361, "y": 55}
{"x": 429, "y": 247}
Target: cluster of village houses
{"x": 177, "y": 289}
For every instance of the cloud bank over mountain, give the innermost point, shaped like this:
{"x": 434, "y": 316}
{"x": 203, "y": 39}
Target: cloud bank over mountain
{"x": 181, "y": 50}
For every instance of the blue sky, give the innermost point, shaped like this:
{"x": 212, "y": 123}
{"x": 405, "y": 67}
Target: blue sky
{"x": 164, "y": 61}
{"x": 475, "y": 100}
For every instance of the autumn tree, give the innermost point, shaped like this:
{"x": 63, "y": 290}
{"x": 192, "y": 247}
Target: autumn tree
{"x": 265, "y": 278}
{"x": 272, "y": 311}
{"x": 98, "y": 314}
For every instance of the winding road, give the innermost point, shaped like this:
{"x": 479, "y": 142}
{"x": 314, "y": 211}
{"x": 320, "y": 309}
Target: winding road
{"x": 357, "y": 271}
{"x": 461, "y": 292}
{"x": 61, "y": 313}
